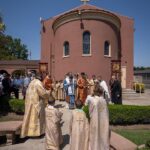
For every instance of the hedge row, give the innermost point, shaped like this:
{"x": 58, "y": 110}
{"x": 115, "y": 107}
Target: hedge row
{"x": 17, "y": 105}
{"x": 4, "y": 103}
{"x": 127, "y": 114}
{"x": 118, "y": 114}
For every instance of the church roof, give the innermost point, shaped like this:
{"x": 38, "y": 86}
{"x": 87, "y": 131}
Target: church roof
{"x": 86, "y": 6}
{"x": 81, "y": 7}
{"x": 88, "y": 12}
{"x": 89, "y": 7}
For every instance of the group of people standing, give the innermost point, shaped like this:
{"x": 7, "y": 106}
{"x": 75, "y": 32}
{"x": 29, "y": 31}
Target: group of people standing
{"x": 79, "y": 86}
{"x": 14, "y": 84}
{"x": 90, "y": 133}
{"x": 41, "y": 116}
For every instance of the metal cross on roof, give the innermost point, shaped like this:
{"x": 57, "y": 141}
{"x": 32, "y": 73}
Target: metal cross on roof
{"x": 85, "y": 1}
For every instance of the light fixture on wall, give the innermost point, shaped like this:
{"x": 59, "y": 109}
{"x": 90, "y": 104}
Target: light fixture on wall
{"x": 81, "y": 23}
{"x": 42, "y": 23}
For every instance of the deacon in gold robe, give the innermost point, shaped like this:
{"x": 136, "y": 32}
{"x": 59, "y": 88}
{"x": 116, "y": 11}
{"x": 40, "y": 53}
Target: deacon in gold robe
{"x": 53, "y": 133}
{"x": 35, "y": 102}
{"x": 99, "y": 120}
{"x": 79, "y": 128}
{"x": 57, "y": 86}
{"x": 82, "y": 84}
{"x": 59, "y": 91}
{"x": 47, "y": 82}
{"x": 92, "y": 84}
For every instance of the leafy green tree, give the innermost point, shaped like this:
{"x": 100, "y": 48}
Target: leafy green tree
{"x": 11, "y": 48}
{"x": 2, "y": 28}
{"x": 141, "y": 68}
{"x": 2, "y": 25}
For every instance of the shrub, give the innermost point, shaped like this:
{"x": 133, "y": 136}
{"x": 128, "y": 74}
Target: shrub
{"x": 139, "y": 87}
{"x": 148, "y": 144}
{"x": 86, "y": 110}
{"x": 17, "y": 106}
{"x": 127, "y": 114}
{"x": 4, "y": 103}
{"x": 118, "y": 114}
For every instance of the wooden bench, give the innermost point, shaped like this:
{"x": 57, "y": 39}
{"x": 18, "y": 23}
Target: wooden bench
{"x": 10, "y": 129}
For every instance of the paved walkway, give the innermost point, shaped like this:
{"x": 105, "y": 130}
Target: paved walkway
{"x": 39, "y": 144}
{"x": 121, "y": 143}
{"x": 142, "y": 99}
{"x": 116, "y": 140}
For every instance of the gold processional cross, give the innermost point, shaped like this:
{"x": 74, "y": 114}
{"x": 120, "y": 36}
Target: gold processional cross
{"x": 85, "y": 1}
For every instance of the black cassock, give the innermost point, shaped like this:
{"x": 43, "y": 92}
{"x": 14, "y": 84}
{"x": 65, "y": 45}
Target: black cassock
{"x": 116, "y": 92}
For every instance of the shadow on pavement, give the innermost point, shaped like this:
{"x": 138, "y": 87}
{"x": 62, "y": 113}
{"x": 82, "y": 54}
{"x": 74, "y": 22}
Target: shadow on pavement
{"x": 66, "y": 138}
{"x": 59, "y": 106}
{"x": 18, "y": 140}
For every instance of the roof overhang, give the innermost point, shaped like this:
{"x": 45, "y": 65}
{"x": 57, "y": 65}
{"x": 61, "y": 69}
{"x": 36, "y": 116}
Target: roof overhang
{"x": 87, "y": 14}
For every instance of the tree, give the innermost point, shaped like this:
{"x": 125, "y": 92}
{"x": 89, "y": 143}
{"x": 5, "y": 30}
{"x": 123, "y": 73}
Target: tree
{"x": 11, "y": 48}
{"x": 141, "y": 68}
{"x": 2, "y": 25}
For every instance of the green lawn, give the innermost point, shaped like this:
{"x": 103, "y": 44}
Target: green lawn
{"x": 137, "y": 136}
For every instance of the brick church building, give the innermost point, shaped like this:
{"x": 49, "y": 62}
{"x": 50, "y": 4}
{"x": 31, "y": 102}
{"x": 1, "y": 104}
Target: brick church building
{"x": 91, "y": 40}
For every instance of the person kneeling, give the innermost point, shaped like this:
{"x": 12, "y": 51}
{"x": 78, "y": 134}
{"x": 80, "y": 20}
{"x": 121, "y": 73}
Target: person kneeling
{"x": 53, "y": 133}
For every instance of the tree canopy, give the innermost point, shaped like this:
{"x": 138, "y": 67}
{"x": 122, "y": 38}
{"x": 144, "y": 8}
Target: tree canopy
{"x": 141, "y": 68}
{"x": 2, "y": 25}
{"x": 11, "y": 48}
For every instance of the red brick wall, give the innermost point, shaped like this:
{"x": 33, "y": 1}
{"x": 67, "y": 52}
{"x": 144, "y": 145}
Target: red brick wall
{"x": 96, "y": 63}
{"x": 47, "y": 42}
{"x": 127, "y": 44}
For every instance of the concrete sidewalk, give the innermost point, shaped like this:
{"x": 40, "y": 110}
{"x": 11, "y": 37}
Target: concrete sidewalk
{"x": 117, "y": 141}
{"x": 142, "y": 99}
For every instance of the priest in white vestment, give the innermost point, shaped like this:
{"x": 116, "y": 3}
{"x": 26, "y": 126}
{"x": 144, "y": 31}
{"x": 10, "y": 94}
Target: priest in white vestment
{"x": 53, "y": 133}
{"x": 35, "y": 102}
{"x": 103, "y": 84}
{"x": 99, "y": 120}
{"x": 79, "y": 129}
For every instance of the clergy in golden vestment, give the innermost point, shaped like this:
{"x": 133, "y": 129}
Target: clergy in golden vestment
{"x": 92, "y": 84}
{"x": 57, "y": 86}
{"x": 35, "y": 102}
{"x": 61, "y": 91}
{"x": 82, "y": 85}
{"x": 47, "y": 82}
{"x": 53, "y": 133}
{"x": 99, "y": 120}
{"x": 79, "y": 128}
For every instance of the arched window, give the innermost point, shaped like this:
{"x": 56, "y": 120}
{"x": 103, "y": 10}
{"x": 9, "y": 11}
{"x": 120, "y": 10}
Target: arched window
{"x": 107, "y": 48}
{"x": 86, "y": 42}
{"x": 66, "y": 49}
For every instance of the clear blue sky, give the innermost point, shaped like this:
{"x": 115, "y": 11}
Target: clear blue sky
{"x": 22, "y": 21}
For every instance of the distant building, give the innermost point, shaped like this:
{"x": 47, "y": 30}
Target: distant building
{"x": 9, "y": 66}
{"x": 89, "y": 39}
{"x": 143, "y": 76}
